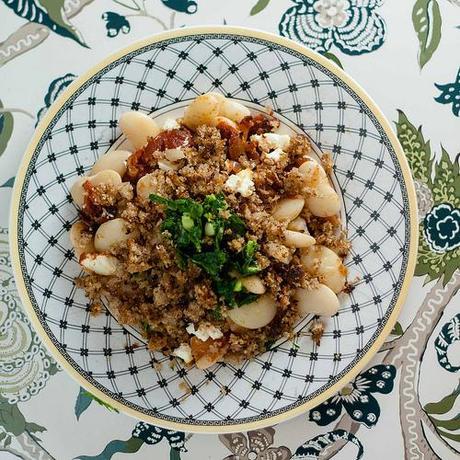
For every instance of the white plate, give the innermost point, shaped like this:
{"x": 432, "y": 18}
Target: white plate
{"x": 161, "y": 74}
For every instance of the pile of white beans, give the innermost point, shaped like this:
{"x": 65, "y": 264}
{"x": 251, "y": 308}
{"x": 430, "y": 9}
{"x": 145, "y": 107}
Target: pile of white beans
{"x": 213, "y": 109}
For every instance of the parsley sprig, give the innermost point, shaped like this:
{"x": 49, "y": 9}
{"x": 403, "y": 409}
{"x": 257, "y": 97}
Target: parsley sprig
{"x": 200, "y": 232}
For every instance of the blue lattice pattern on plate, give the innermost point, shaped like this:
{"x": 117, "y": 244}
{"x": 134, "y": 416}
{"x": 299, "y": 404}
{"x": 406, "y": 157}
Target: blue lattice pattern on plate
{"x": 303, "y": 93}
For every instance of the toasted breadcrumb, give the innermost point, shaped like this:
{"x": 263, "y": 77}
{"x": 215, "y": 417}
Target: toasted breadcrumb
{"x": 155, "y": 291}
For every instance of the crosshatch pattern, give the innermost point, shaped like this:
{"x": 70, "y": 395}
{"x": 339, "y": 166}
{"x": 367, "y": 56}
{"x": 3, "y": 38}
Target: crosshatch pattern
{"x": 157, "y": 77}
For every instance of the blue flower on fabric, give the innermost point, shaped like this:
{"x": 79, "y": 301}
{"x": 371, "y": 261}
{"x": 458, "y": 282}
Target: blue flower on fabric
{"x": 450, "y": 94}
{"x": 115, "y": 23}
{"x": 356, "y": 398}
{"x": 442, "y": 227}
{"x": 351, "y": 25}
{"x": 183, "y": 6}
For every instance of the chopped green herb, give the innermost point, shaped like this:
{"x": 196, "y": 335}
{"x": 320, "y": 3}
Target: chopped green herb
{"x": 189, "y": 223}
{"x": 211, "y": 262}
{"x": 217, "y": 313}
{"x": 238, "y": 286}
{"x": 146, "y": 327}
{"x": 209, "y": 229}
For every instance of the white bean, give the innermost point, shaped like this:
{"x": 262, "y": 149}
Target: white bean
{"x": 203, "y": 110}
{"x": 114, "y": 160}
{"x": 319, "y": 301}
{"x": 145, "y": 186}
{"x": 298, "y": 239}
{"x": 219, "y": 96}
{"x": 78, "y": 192}
{"x": 103, "y": 177}
{"x": 233, "y": 110}
{"x": 138, "y": 128}
{"x": 326, "y": 203}
{"x": 253, "y": 284}
{"x": 298, "y": 225}
{"x": 110, "y": 233}
{"x": 81, "y": 239}
{"x": 101, "y": 264}
{"x": 256, "y": 314}
{"x": 313, "y": 173}
{"x": 325, "y": 263}
{"x": 288, "y": 209}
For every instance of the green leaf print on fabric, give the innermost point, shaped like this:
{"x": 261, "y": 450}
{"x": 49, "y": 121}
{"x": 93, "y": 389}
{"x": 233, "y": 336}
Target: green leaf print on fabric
{"x": 332, "y": 57}
{"x": 445, "y": 427}
{"x": 142, "y": 433}
{"x": 49, "y": 13}
{"x": 427, "y": 22}
{"x": 11, "y": 418}
{"x": 82, "y": 403}
{"x": 8, "y": 183}
{"x": 444, "y": 405}
{"x": 259, "y": 6}
{"x": 450, "y": 94}
{"x": 13, "y": 425}
{"x": 6, "y": 128}
{"x": 84, "y": 400}
{"x": 417, "y": 150}
{"x": 397, "y": 330}
{"x": 130, "y": 446}
{"x": 438, "y": 198}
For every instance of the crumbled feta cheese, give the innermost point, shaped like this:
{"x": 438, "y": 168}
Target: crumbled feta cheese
{"x": 276, "y": 154}
{"x": 170, "y": 123}
{"x": 184, "y": 352}
{"x": 204, "y": 331}
{"x": 241, "y": 182}
{"x": 272, "y": 141}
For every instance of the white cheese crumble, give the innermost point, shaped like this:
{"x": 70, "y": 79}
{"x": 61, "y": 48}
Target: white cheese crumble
{"x": 170, "y": 123}
{"x": 184, "y": 352}
{"x": 272, "y": 141}
{"x": 204, "y": 331}
{"x": 241, "y": 182}
{"x": 276, "y": 154}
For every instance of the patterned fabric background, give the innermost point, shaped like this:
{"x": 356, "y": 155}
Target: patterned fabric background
{"x": 406, "y": 55}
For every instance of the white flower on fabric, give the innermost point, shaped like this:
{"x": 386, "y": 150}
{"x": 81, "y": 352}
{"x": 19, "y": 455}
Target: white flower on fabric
{"x": 332, "y": 13}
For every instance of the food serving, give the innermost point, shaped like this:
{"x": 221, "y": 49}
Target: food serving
{"x": 213, "y": 235}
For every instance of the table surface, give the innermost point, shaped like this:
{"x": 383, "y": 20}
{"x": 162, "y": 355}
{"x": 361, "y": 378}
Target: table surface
{"x": 406, "y": 55}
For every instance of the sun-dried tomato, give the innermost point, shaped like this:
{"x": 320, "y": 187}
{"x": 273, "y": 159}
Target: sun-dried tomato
{"x": 144, "y": 160}
{"x": 258, "y": 124}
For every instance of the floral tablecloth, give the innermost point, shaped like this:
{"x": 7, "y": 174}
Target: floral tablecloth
{"x": 407, "y": 55}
